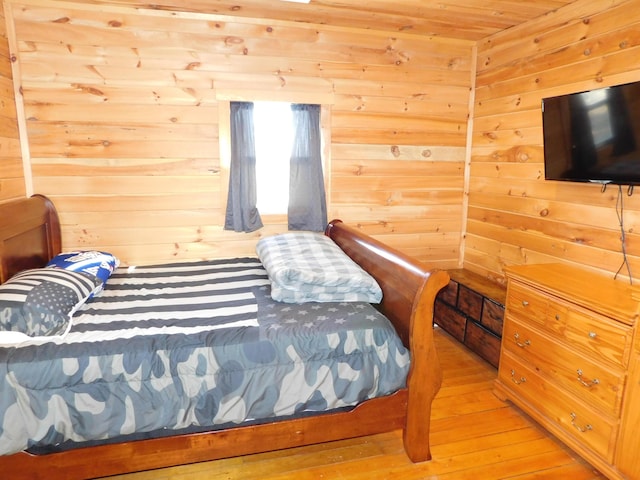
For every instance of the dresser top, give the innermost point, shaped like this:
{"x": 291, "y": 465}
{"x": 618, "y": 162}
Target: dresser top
{"x": 614, "y": 298}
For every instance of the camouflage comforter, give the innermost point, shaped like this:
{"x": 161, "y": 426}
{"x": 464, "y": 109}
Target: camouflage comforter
{"x": 193, "y": 345}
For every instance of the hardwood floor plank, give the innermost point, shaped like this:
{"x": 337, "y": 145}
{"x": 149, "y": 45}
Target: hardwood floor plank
{"x": 474, "y": 436}
{"x": 468, "y": 402}
{"x": 573, "y": 471}
{"x": 498, "y": 440}
{"x": 514, "y": 468}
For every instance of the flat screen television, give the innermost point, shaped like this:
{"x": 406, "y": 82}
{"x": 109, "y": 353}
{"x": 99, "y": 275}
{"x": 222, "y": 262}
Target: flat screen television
{"x": 593, "y": 136}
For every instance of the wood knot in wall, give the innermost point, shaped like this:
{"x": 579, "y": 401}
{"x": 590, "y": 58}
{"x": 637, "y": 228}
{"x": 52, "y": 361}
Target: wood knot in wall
{"x": 232, "y": 40}
{"x": 88, "y": 89}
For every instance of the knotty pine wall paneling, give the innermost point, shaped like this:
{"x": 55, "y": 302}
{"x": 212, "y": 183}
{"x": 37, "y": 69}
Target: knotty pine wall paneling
{"x": 122, "y": 113}
{"x": 12, "y": 182}
{"x": 514, "y": 215}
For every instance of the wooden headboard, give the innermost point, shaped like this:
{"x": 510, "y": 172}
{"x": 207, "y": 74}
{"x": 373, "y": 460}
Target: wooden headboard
{"x": 29, "y": 234}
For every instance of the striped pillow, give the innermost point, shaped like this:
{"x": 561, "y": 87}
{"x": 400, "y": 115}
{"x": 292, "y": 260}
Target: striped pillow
{"x": 310, "y": 267}
{"x": 40, "y": 302}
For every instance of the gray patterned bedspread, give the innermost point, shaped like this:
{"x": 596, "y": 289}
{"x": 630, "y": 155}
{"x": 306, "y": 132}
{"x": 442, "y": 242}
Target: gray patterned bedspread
{"x": 193, "y": 345}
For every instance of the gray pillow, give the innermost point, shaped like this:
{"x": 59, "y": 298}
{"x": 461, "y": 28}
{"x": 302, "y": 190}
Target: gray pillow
{"x": 310, "y": 267}
{"x": 40, "y": 302}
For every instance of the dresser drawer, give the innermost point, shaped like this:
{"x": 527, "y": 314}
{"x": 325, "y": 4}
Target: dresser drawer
{"x": 450, "y": 319}
{"x": 597, "y": 383}
{"x": 523, "y": 302}
{"x": 590, "y": 332}
{"x": 575, "y": 419}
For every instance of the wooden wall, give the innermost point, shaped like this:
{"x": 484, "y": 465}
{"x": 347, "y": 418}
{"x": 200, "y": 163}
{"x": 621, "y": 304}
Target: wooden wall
{"x": 122, "y": 113}
{"x": 12, "y": 183}
{"x": 514, "y": 215}
{"x": 122, "y": 108}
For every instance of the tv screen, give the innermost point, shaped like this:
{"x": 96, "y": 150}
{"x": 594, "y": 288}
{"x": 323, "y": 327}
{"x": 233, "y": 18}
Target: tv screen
{"x": 593, "y": 136}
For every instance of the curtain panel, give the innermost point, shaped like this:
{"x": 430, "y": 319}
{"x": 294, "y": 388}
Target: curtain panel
{"x": 307, "y": 197}
{"x": 242, "y": 213}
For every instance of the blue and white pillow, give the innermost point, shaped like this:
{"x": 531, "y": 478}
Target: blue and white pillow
{"x": 93, "y": 262}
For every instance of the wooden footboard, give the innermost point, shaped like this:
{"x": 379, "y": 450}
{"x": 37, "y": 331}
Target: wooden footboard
{"x": 409, "y": 290}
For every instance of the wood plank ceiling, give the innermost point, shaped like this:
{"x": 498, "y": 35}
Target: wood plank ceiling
{"x": 469, "y": 20}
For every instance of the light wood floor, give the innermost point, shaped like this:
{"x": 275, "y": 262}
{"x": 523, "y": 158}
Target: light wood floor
{"x": 474, "y": 436}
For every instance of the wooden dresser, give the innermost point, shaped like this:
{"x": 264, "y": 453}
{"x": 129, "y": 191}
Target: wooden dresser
{"x": 570, "y": 358}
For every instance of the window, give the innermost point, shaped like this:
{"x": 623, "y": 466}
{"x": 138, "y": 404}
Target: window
{"x": 273, "y": 123}
{"x": 265, "y": 139}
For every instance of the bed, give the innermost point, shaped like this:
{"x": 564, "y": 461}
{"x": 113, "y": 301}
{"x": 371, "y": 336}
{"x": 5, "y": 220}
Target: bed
{"x": 30, "y": 237}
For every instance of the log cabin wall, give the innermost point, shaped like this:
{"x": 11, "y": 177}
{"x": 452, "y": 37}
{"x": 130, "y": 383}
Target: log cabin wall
{"x": 514, "y": 215}
{"x": 122, "y": 109}
{"x": 12, "y": 182}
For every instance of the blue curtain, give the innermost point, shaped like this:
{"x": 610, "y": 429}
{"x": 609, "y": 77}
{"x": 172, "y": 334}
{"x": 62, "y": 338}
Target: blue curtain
{"x": 307, "y": 198}
{"x": 242, "y": 213}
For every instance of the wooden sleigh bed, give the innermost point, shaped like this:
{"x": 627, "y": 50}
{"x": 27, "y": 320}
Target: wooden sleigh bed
{"x": 30, "y": 236}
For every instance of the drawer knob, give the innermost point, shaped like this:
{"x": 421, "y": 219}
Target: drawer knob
{"x": 524, "y": 344}
{"x": 580, "y": 428}
{"x": 587, "y": 383}
{"x": 593, "y": 334}
{"x": 525, "y": 303}
{"x": 515, "y": 380}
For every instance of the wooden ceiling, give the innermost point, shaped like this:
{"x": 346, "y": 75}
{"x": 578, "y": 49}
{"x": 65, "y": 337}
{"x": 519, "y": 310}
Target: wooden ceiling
{"x": 469, "y": 20}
